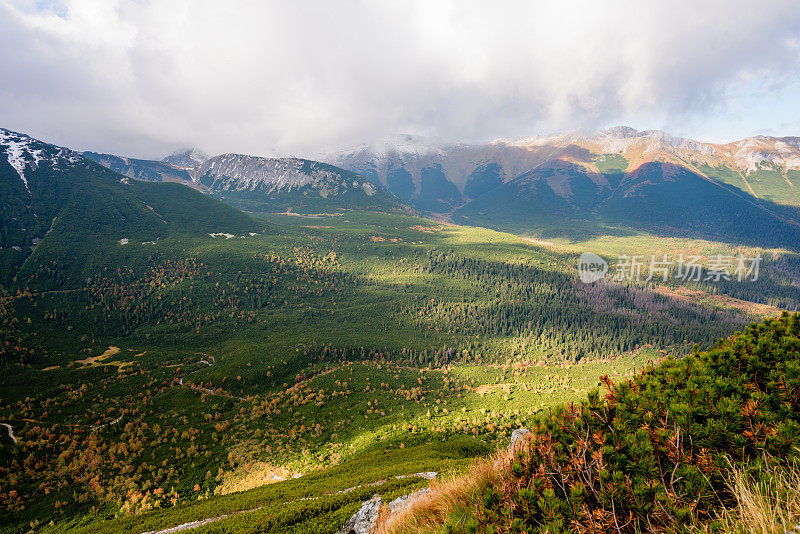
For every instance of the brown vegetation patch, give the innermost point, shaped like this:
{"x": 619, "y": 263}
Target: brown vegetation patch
{"x": 697, "y": 296}
{"x": 427, "y": 229}
{"x": 95, "y": 361}
{"x": 450, "y": 494}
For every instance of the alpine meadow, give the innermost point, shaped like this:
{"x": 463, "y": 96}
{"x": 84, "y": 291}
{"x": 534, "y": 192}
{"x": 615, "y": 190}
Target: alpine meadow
{"x": 238, "y": 301}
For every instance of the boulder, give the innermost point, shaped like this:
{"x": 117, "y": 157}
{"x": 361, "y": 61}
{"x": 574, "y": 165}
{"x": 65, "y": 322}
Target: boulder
{"x": 363, "y": 520}
{"x": 401, "y": 502}
{"x": 518, "y": 436}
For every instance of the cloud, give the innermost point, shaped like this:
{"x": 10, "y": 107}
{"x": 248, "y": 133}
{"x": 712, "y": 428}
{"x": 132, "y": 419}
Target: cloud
{"x": 142, "y": 77}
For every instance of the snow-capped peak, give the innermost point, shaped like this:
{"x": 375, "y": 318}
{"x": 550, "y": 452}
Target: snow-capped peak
{"x": 391, "y": 145}
{"x": 26, "y": 154}
{"x": 186, "y": 158}
{"x": 409, "y": 144}
{"x": 16, "y": 147}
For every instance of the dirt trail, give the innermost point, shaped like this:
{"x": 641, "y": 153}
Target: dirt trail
{"x": 207, "y": 390}
{"x": 10, "y": 432}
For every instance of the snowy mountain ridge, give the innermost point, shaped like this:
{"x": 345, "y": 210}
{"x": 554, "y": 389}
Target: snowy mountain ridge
{"x": 404, "y": 163}
{"x": 238, "y": 172}
{"x": 186, "y": 158}
{"x": 24, "y": 151}
{"x": 746, "y": 155}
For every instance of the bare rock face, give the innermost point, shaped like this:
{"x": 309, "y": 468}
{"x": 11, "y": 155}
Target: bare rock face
{"x": 400, "y": 503}
{"x": 517, "y": 437}
{"x": 363, "y": 520}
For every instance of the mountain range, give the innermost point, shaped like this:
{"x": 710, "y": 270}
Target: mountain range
{"x": 568, "y": 182}
{"x": 618, "y": 180}
{"x": 551, "y": 185}
{"x": 260, "y": 184}
{"x": 60, "y": 205}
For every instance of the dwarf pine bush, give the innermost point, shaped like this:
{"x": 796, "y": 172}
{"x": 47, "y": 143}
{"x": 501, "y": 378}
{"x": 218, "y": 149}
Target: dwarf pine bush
{"x": 653, "y": 453}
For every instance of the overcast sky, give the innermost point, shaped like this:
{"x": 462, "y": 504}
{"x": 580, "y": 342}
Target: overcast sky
{"x": 145, "y": 77}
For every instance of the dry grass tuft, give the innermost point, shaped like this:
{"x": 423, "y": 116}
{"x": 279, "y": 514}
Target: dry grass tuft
{"x": 769, "y": 504}
{"x": 454, "y": 494}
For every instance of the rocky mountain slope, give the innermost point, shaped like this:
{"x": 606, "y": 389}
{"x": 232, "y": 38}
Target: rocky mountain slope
{"x": 277, "y": 184}
{"x": 255, "y": 183}
{"x": 186, "y": 158}
{"x": 55, "y": 199}
{"x": 142, "y": 169}
{"x": 620, "y": 176}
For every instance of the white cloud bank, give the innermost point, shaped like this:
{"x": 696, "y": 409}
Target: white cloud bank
{"x": 142, "y": 77}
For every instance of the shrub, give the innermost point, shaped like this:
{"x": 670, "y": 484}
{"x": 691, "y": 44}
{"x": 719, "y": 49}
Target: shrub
{"x": 652, "y": 453}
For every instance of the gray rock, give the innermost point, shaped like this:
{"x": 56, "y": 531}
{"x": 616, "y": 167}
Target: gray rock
{"x": 363, "y": 520}
{"x": 400, "y": 503}
{"x": 518, "y": 436}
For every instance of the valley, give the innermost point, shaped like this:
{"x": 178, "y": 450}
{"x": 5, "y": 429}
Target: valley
{"x": 169, "y": 359}
{"x": 405, "y": 267}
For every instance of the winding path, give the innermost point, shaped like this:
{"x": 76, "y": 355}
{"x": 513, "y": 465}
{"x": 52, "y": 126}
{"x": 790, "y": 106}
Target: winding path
{"x": 200, "y": 522}
{"x": 10, "y": 432}
{"x": 207, "y": 390}
{"x": 114, "y": 422}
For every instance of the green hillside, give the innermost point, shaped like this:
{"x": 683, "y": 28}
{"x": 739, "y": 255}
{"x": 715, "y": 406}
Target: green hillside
{"x": 167, "y": 358}
{"x": 670, "y": 200}
{"x": 653, "y": 454}
{"x": 108, "y": 213}
{"x": 299, "y": 348}
{"x": 773, "y": 185}
{"x": 69, "y": 210}
{"x": 658, "y": 198}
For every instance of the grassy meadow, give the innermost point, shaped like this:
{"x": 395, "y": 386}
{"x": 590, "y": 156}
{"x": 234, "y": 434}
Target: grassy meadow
{"x": 188, "y": 378}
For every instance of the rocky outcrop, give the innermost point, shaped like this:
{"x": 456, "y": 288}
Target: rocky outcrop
{"x": 518, "y": 437}
{"x": 400, "y": 503}
{"x": 363, "y": 520}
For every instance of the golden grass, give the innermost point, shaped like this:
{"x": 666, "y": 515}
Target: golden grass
{"x": 769, "y": 504}
{"x": 251, "y": 475}
{"x": 93, "y": 361}
{"x": 452, "y": 495}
